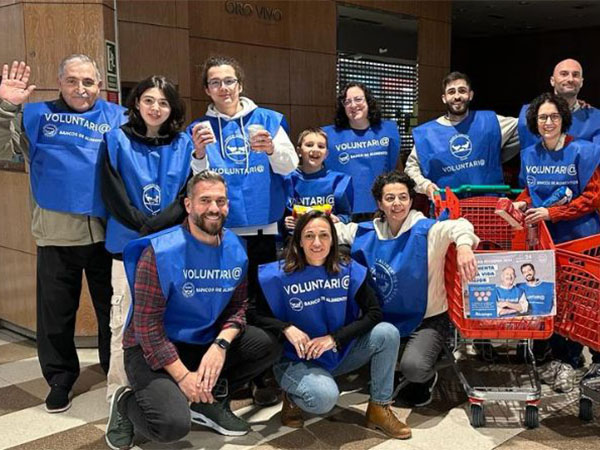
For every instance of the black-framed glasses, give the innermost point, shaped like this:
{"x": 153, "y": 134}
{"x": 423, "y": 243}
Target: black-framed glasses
{"x": 554, "y": 117}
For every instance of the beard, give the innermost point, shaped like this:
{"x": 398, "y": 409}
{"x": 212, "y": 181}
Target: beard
{"x": 458, "y": 110}
{"x": 210, "y": 228}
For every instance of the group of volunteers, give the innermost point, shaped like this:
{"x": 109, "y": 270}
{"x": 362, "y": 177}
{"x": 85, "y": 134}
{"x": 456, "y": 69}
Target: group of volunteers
{"x": 177, "y": 230}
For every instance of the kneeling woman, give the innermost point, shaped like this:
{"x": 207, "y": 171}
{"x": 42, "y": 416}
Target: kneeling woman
{"x": 330, "y": 318}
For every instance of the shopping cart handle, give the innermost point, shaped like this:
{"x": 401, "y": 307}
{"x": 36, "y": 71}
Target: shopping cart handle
{"x": 483, "y": 189}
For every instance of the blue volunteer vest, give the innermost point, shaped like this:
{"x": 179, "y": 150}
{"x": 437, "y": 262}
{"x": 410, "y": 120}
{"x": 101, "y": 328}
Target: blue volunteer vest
{"x": 256, "y": 193}
{"x": 363, "y": 154}
{"x": 64, "y": 154}
{"x": 153, "y": 176}
{"x": 197, "y": 280}
{"x": 398, "y": 269}
{"x": 320, "y": 188}
{"x": 314, "y": 301}
{"x": 546, "y": 171}
{"x": 511, "y": 295}
{"x": 586, "y": 126}
{"x": 540, "y": 297}
{"x": 467, "y": 153}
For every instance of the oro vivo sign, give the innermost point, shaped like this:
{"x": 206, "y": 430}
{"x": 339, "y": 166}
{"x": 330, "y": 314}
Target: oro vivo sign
{"x": 247, "y": 9}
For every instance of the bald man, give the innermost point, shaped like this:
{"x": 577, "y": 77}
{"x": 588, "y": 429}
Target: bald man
{"x": 567, "y": 81}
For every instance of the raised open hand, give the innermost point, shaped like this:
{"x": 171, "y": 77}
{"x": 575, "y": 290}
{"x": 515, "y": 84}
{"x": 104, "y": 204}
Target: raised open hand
{"x": 14, "y": 88}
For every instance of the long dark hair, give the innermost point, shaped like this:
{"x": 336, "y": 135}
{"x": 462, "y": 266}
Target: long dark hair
{"x": 295, "y": 259}
{"x": 374, "y": 115}
{"x": 175, "y": 121}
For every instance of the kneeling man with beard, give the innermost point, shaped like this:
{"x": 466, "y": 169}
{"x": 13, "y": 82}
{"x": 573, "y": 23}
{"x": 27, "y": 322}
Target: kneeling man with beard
{"x": 186, "y": 342}
{"x": 462, "y": 146}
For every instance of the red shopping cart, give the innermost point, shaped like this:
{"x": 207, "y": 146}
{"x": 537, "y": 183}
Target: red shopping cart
{"x": 578, "y": 305}
{"x": 496, "y": 236}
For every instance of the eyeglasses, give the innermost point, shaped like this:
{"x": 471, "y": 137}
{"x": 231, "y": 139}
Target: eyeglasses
{"x": 356, "y": 100}
{"x": 554, "y": 117}
{"x": 74, "y": 82}
{"x": 227, "y": 82}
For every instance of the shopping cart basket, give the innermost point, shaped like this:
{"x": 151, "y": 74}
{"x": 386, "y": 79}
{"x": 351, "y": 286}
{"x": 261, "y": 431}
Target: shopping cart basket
{"x": 496, "y": 236}
{"x": 578, "y": 309}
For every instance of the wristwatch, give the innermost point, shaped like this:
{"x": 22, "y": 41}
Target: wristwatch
{"x": 223, "y": 343}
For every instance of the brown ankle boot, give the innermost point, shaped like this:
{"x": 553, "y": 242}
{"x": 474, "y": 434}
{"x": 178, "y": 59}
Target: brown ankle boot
{"x": 291, "y": 415}
{"x": 382, "y": 418}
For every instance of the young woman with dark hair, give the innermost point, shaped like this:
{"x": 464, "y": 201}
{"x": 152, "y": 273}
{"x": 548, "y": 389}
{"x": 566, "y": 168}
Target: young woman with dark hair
{"x": 361, "y": 144}
{"x": 562, "y": 176}
{"x": 329, "y": 319}
{"x": 145, "y": 169}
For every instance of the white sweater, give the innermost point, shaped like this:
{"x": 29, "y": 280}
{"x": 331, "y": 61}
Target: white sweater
{"x": 440, "y": 236}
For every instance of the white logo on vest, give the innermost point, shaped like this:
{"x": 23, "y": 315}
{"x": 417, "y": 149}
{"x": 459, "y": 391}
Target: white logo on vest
{"x": 236, "y": 148}
{"x": 151, "y": 198}
{"x": 344, "y": 158}
{"x": 296, "y": 304}
{"x": 530, "y": 180}
{"x": 384, "y": 141}
{"x": 49, "y": 130}
{"x": 236, "y": 273}
{"x": 385, "y": 280}
{"x": 572, "y": 169}
{"x": 188, "y": 289}
{"x": 461, "y": 146}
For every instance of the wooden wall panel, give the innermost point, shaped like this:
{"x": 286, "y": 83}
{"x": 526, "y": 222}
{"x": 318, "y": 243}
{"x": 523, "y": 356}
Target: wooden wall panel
{"x": 159, "y": 12}
{"x": 312, "y": 78}
{"x": 267, "y": 69}
{"x": 198, "y": 108}
{"x": 12, "y": 34}
{"x": 15, "y": 206}
{"x": 440, "y": 10}
{"x": 303, "y": 117}
{"x": 148, "y": 49}
{"x": 434, "y": 43}
{"x": 312, "y": 26}
{"x": 430, "y": 91}
{"x": 210, "y": 19}
{"x": 54, "y": 31}
{"x": 17, "y": 289}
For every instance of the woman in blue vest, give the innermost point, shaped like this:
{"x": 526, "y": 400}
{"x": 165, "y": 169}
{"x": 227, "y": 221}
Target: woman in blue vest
{"x": 329, "y": 319}
{"x": 406, "y": 253}
{"x": 361, "y": 144}
{"x": 562, "y": 176}
{"x": 145, "y": 168}
{"x": 312, "y": 184}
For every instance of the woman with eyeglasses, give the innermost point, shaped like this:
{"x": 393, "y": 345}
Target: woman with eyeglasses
{"x": 249, "y": 146}
{"x": 330, "y": 320}
{"x": 144, "y": 173}
{"x": 406, "y": 253}
{"x": 361, "y": 144}
{"x": 560, "y": 173}
{"x": 562, "y": 179}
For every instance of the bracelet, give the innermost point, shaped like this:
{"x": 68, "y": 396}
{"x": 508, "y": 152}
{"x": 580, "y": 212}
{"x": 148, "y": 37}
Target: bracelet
{"x": 183, "y": 377}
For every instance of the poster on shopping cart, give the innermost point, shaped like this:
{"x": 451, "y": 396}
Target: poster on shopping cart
{"x": 512, "y": 284}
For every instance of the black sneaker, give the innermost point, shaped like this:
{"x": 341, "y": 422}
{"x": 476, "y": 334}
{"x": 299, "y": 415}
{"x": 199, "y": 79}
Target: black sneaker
{"x": 219, "y": 417}
{"x": 486, "y": 352}
{"x": 119, "y": 429}
{"x": 59, "y": 399}
{"x": 416, "y": 395}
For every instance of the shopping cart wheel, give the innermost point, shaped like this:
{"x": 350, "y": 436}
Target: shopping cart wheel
{"x": 586, "y": 409}
{"x": 532, "y": 417}
{"x": 477, "y": 416}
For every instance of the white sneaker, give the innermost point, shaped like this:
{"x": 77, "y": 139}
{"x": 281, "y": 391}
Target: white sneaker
{"x": 548, "y": 372}
{"x": 565, "y": 379}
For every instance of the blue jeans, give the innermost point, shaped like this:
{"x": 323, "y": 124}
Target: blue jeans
{"x": 313, "y": 388}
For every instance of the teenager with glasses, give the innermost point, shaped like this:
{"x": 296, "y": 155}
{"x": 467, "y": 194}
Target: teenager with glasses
{"x": 361, "y": 144}
{"x": 562, "y": 179}
{"x": 249, "y": 147}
